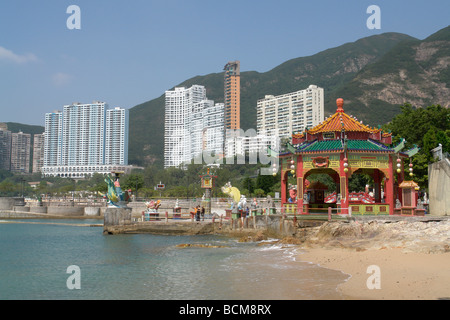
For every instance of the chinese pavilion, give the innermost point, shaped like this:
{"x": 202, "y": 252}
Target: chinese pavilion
{"x": 340, "y": 147}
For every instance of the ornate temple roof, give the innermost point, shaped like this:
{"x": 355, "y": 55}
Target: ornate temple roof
{"x": 340, "y": 120}
{"x": 337, "y": 145}
{"x": 327, "y": 137}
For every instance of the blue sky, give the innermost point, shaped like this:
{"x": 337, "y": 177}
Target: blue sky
{"x": 129, "y": 52}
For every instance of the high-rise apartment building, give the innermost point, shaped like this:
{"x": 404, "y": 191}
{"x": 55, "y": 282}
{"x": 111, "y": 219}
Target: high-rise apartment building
{"x": 5, "y": 147}
{"x": 192, "y": 125}
{"x": 84, "y": 134}
{"x": 178, "y": 108}
{"x": 84, "y": 139}
{"x": 116, "y": 139}
{"x": 232, "y": 95}
{"x": 206, "y": 128}
{"x": 53, "y": 139}
{"x": 38, "y": 152}
{"x": 20, "y": 152}
{"x": 290, "y": 113}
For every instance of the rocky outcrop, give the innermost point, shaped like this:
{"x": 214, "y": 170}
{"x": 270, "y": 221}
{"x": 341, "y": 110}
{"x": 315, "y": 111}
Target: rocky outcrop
{"x": 413, "y": 236}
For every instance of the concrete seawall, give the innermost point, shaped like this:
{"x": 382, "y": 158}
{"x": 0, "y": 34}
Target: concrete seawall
{"x": 439, "y": 186}
{"x": 274, "y": 225}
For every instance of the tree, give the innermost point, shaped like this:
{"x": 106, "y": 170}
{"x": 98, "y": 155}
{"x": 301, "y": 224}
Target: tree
{"x": 426, "y": 128}
{"x": 265, "y": 182}
{"x": 132, "y": 182}
{"x": 259, "y": 193}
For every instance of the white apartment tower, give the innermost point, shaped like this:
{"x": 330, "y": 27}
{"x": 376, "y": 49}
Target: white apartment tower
{"x": 84, "y": 134}
{"x": 84, "y": 139}
{"x": 206, "y": 128}
{"x": 116, "y": 140}
{"x": 192, "y": 124}
{"x": 53, "y": 138}
{"x": 290, "y": 113}
{"x": 178, "y": 109}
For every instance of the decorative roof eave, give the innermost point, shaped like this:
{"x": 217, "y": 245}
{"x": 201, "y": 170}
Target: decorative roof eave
{"x": 341, "y": 121}
{"x": 412, "y": 152}
{"x": 369, "y": 150}
{"x": 321, "y": 151}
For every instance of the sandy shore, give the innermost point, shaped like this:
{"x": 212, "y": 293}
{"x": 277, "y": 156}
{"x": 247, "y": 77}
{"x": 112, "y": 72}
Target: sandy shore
{"x": 413, "y": 259}
{"x": 403, "y": 275}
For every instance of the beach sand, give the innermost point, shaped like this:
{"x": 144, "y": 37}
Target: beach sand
{"x": 404, "y": 273}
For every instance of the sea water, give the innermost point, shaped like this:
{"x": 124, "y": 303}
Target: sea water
{"x": 35, "y": 257}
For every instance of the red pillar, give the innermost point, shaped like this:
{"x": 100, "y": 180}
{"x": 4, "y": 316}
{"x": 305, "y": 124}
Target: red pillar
{"x": 343, "y": 178}
{"x": 300, "y": 184}
{"x": 390, "y": 199}
{"x": 283, "y": 185}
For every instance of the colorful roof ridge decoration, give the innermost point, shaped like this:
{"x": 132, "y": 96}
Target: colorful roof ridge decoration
{"x": 341, "y": 121}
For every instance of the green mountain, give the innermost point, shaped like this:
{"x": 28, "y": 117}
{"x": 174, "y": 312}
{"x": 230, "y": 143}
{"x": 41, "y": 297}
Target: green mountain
{"x": 331, "y": 69}
{"x": 413, "y": 71}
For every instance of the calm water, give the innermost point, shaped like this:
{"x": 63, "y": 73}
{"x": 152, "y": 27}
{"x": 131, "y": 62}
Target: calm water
{"x": 34, "y": 259}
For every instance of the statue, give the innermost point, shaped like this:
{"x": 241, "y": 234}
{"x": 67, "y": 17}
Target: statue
{"x": 292, "y": 194}
{"x": 254, "y": 204}
{"x": 153, "y": 205}
{"x": 116, "y": 197}
{"x": 233, "y": 192}
{"x": 242, "y": 203}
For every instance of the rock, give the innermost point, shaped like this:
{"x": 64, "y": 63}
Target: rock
{"x": 197, "y": 245}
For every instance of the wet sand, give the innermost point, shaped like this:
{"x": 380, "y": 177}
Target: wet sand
{"x": 402, "y": 276}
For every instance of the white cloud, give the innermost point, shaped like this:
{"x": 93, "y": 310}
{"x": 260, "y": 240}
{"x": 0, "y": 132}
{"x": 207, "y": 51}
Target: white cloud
{"x": 61, "y": 79}
{"x": 8, "y": 55}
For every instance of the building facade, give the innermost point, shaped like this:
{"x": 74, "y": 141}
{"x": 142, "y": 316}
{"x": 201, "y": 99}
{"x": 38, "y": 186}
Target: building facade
{"x": 20, "y": 152}
{"x": 232, "y": 95}
{"x": 178, "y": 107}
{"x": 290, "y": 113}
{"x": 193, "y": 124}
{"x": 241, "y": 144}
{"x": 53, "y": 139}
{"x": 116, "y": 138}
{"x": 206, "y": 128}
{"x": 84, "y": 134}
{"x": 5, "y": 147}
{"x": 38, "y": 152}
{"x": 85, "y": 139}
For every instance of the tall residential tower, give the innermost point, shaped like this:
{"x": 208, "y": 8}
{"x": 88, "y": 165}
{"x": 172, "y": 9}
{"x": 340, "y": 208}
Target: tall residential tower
{"x": 232, "y": 96}
{"x": 85, "y": 139}
{"x": 290, "y": 113}
{"x": 193, "y": 124}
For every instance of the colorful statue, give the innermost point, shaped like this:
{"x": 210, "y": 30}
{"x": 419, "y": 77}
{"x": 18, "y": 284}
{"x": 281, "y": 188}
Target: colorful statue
{"x": 116, "y": 197}
{"x": 153, "y": 205}
{"x": 292, "y": 194}
{"x": 233, "y": 192}
{"x": 242, "y": 203}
